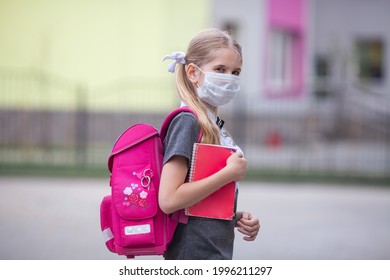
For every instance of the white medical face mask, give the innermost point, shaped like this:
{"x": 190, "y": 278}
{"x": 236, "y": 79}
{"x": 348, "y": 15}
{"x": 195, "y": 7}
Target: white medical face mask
{"x": 218, "y": 89}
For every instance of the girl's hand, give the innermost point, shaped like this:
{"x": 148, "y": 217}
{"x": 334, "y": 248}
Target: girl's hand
{"x": 248, "y": 225}
{"x": 236, "y": 164}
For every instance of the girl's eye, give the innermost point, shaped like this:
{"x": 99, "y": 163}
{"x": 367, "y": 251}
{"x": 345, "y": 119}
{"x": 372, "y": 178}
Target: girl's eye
{"x": 223, "y": 70}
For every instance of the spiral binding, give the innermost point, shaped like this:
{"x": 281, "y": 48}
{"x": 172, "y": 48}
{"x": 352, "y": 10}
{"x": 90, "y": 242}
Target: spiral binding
{"x": 193, "y": 161}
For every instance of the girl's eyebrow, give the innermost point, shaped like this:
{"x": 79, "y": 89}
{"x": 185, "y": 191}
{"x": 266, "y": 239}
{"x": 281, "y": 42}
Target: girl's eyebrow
{"x": 224, "y": 66}
{"x": 219, "y": 66}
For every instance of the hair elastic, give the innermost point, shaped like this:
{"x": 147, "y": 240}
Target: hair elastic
{"x": 178, "y": 57}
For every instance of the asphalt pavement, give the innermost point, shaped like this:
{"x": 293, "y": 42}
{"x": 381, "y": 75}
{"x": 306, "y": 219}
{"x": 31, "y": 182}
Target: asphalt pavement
{"x": 58, "y": 218}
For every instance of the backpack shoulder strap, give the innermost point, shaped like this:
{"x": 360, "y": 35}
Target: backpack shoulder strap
{"x": 171, "y": 116}
{"x": 178, "y": 215}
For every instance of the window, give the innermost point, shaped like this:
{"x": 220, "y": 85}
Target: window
{"x": 280, "y": 60}
{"x": 322, "y": 75}
{"x": 370, "y": 60}
{"x": 285, "y": 49}
{"x": 279, "y": 65}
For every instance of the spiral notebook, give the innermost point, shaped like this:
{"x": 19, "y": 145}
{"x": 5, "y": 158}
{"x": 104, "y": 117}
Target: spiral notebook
{"x": 206, "y": 160}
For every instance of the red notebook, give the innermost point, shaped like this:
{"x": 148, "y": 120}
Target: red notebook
{"x": 206, "y": 160}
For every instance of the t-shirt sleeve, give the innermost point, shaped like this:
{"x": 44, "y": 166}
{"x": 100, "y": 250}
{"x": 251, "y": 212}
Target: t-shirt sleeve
{"x": 182, "y": 133}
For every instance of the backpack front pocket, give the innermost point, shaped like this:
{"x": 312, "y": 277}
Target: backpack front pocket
{"x": 137, "y": 233}
{"x": 136, "y": 197}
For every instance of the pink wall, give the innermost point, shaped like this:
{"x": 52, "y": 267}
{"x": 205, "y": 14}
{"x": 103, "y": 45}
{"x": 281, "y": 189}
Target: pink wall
{"x": 290, "y": 15}
{"x": 287, "y": 13}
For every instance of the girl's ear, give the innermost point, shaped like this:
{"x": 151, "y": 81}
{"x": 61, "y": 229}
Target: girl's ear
{"x": 191, "y": 73}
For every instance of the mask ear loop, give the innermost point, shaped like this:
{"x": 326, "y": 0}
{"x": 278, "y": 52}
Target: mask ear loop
{"x": 200, "y": 69}
{"x": 196, "y": 66}
{"x": 197, "y": 84}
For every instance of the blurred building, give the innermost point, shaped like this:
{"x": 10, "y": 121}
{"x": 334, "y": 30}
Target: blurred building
{"x": 299, "y": 50}
{"x": 274, "y": 35}
{"x": 315, "y": 78}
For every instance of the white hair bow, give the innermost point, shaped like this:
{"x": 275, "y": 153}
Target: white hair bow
{"x": 178, "y": 57}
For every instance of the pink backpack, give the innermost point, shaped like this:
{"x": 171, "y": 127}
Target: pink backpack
{"x": 131, "y": 220}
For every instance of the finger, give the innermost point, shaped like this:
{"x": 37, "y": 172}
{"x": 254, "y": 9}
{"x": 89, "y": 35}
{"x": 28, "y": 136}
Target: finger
{"x": 248, "y": 233}
{"x": 239, "y": 154}
{"x": 248, "y": 236}
{"x": 249, "y": 230}
{"x": 247, "y": 223}
{"x": 246, "y": 216}
{"x": 244, "y": 232}
{"x": 243, "y": 225}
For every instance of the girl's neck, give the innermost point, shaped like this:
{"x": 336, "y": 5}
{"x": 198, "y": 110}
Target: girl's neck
{"x": 212, "y": 109}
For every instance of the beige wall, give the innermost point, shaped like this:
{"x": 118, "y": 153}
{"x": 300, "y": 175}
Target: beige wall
{"x": 97, "y": 42}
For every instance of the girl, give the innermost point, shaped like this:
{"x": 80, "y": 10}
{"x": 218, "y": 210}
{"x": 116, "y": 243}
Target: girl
{"x": 207, "y": 77}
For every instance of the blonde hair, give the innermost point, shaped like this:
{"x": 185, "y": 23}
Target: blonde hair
{"x": 200, "y": 51}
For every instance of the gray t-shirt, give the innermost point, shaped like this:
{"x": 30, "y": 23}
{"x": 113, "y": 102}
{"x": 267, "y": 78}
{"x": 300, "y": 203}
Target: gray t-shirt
{"x": 182, "y": 133}
{"x": 200, "y": 238}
